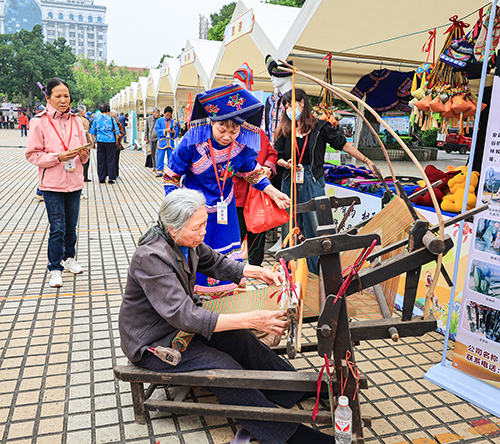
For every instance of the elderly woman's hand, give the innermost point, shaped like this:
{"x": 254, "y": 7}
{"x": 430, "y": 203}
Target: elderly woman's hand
{"x": 266, "y": 275}
{"x": 268, "y": 321}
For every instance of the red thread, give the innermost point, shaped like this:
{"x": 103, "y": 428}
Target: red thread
{"x": 455, "y": 23}
{"x": 430, "y": 43}
{"x": 326, "y": 366}
{"x": 353, "y": 369}
{"x": 354, "y": 269}
{"x": 329, "y": 58}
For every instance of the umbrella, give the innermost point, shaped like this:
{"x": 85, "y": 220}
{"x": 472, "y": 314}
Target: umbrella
{"x": 7, "y": 107}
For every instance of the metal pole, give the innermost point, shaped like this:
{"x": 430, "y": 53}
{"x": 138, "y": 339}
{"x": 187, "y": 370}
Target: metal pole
{"x": 469, "y": 171}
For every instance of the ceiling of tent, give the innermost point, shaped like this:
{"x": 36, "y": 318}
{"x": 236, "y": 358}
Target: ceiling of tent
{"x": 363, "y": 35}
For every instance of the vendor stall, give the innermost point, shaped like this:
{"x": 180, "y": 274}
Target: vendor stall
{"x": 253, "y": 32}
{"x": 197, "y": 69}
{"x": 168, "y": 74}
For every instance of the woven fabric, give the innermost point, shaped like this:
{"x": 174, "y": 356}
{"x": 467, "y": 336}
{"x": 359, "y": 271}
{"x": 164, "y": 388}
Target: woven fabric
{"x": 392, "y": 223}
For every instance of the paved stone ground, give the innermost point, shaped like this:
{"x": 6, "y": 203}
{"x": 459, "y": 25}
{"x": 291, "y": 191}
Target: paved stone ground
{"x": 58, "y": 347}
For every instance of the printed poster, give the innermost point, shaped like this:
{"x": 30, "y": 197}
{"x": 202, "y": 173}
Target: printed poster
{"x": 477, "y": 348}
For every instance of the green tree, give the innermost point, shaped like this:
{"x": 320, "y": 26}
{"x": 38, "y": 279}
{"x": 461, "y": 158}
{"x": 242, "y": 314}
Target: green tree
{"x": 219, "y": 21}
{"x": 25, "y": 60}
{"x": 163, "y": 57}
{"x": 294, "y": 3}
{"x": 98, "y": 81}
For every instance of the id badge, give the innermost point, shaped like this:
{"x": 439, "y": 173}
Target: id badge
{"x": 299, "y": 176}
{"x": 70, "y": 165}
{"x": 222, "y": 213}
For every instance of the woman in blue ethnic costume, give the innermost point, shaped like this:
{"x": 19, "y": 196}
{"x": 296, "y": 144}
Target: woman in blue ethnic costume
{"x": 223, "y": 140}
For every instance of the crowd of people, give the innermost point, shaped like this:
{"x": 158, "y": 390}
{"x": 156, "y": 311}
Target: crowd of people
{"x": 195, "y": 249}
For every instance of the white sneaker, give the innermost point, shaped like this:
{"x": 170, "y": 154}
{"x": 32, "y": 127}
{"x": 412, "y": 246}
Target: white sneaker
{"x": 72, "y": 266}
{"x": 38, "y": 197}
{"x": 55, "y": 278}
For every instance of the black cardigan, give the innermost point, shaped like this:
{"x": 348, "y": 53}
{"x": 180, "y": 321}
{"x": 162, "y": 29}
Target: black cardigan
{"x": 316, "y": 145}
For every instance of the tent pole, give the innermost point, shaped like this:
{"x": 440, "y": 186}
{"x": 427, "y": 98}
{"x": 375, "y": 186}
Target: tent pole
{"x": 469, "y": 171}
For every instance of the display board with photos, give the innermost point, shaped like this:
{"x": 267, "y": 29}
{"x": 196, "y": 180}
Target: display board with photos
{"x": 477, "y": 347}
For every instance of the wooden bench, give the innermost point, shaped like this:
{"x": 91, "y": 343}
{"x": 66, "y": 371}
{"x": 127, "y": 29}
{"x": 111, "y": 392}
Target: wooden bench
{"x": 243, "y": 379}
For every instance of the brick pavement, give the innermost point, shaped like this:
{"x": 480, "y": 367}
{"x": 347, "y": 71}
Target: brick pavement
{"x": 58, "y": 346}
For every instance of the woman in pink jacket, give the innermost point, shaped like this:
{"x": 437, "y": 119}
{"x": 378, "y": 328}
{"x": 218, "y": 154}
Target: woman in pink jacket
{"x": 54, "y": 145}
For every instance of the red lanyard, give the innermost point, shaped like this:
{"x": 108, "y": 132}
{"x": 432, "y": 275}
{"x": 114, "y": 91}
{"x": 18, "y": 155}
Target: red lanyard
{"x": 215, "y": 166}
{"x": 303, "y": 149}
{"x": 58, "y": 135}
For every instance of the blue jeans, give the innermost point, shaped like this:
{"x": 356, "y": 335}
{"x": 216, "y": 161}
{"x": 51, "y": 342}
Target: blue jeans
{"x": 24, "y": 130}
{"x": 161, "y": 153}
{"x": 62, "y": 211}
{"x": 308, "y": 222}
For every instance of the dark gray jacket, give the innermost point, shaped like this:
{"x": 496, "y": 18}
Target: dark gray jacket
{"x": 155, "y": 305}
{"x": 149, "y": 129}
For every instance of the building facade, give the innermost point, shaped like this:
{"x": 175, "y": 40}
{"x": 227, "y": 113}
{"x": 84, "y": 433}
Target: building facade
{"x": 80, "y": 22}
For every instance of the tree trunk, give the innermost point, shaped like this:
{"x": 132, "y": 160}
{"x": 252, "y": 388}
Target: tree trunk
{"x": 30, "y": 101}
{"x": 366, "y": 137}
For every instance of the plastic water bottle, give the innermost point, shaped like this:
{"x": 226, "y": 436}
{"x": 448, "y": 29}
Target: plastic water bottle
{"x": 343, "y": 422}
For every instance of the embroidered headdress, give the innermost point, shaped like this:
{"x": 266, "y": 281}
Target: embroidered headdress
{"x": 274, "y": 68}
{"x": 230, "y": 102}
{"x": 245, "y": 74}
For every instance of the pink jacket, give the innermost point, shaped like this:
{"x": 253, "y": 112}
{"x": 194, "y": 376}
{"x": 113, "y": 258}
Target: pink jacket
{"x": 44, "y": 145}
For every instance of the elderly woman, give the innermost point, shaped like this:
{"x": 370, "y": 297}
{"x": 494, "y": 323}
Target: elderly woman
{"x": 159, "y": 301}
{"x": 223, "y": 140}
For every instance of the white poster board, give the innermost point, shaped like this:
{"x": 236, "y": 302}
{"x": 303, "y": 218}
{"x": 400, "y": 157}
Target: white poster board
{"x": 477, "y": 348}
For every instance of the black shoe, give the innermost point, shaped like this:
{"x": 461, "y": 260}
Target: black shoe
{"x": 87, "y": 180}
{"x": 111, "y": 182}
{"x": 102, "y": 181}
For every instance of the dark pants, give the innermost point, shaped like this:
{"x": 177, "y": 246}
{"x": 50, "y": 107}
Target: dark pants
{"x": 237, "y": 350}
{"x": 62, "y": 212}
{"x": 154, "y": 147}
{"x": 86, "y": 169}
{"x": 106, "y": 160}
{"x": 255, "y": 241}
{"x": 24, "y": 130}
{"x": 118, "y": 151}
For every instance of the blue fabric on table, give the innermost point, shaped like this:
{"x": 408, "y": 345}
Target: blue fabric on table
{"x": 334, "y": 173}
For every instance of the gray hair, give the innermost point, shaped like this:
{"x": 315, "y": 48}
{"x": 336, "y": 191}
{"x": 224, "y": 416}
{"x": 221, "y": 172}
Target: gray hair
{"x": 156, "y": 109}
{"x": 113, "y": 111}
{"x": 175, "y": 211}
{"x": 80, "y": 108}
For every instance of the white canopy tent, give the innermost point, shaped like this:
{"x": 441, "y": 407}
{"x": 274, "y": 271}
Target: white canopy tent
{"x": 141, "y": 96}
{"x": 197, "y": 68}
{"x": 152, "y": 89}
{"x": 128, "y": 95}
{"x": 256, "y": 29}
{"x": 168, "y": 75}
{"x": 132, "y": 97}
{"x": 124, "y": 101}
{"x": 363, "y": 35}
